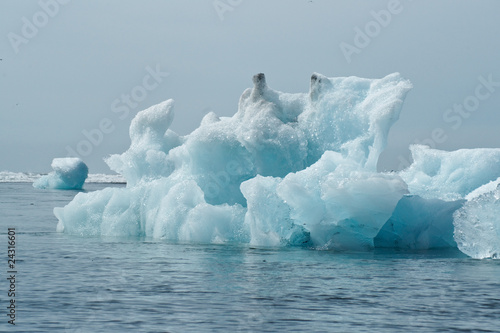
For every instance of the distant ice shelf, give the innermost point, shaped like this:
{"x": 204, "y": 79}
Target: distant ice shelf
{"x": 30, "y": 177}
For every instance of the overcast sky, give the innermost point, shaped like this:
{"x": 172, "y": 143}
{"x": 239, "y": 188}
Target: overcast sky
{"x": 72, "y": 68}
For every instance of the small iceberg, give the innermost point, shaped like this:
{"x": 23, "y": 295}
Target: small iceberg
{"x": 69, "y": 174}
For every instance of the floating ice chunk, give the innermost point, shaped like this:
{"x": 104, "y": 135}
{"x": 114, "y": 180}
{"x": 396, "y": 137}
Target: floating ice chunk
{"x": 477, "y": 223}
{"x": 69, "y": 174}
{"x": 450, "y": 175}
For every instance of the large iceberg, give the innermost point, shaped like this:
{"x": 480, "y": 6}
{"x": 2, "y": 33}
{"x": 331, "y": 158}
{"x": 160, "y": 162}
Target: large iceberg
{"x": 285, "y": 170}
{"x": 69, "y": 174}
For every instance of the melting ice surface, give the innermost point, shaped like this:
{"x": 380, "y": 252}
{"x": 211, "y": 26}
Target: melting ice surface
{"x": 69, "y": 174}
{"x": 295, "y": 170}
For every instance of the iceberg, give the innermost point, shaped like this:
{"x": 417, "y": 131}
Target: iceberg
{"x": 69, "y": 174}
{"x": 291, "y": 170}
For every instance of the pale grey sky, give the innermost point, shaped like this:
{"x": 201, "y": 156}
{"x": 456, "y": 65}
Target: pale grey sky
{"x": 68, "y": 66}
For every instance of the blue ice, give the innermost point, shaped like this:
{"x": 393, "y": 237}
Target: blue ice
{"x": 292, "y": 170}
{"x": 69, "y": 174}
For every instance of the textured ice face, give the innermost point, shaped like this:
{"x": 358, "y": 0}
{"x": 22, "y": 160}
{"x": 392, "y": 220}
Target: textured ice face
{"x": 333, "y": 204}
{"x": 293, "y": 170}
{"x": 69, "y": 174}
{"x": 352, "y": 116}
{"x": 450, "y": 175}
{"x": 150, "y": 143}
{"x": 477, "y": 223}
{"x": 272, "y": 134}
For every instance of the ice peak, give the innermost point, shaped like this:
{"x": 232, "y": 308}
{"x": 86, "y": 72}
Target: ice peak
{"x": 319, "y": 83}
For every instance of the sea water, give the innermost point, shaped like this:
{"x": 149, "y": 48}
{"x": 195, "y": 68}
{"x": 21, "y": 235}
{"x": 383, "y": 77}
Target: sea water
{"x": 70, "y": 283}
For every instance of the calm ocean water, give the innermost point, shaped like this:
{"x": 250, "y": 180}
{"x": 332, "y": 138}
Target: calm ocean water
{"x": 75, "y": 284}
